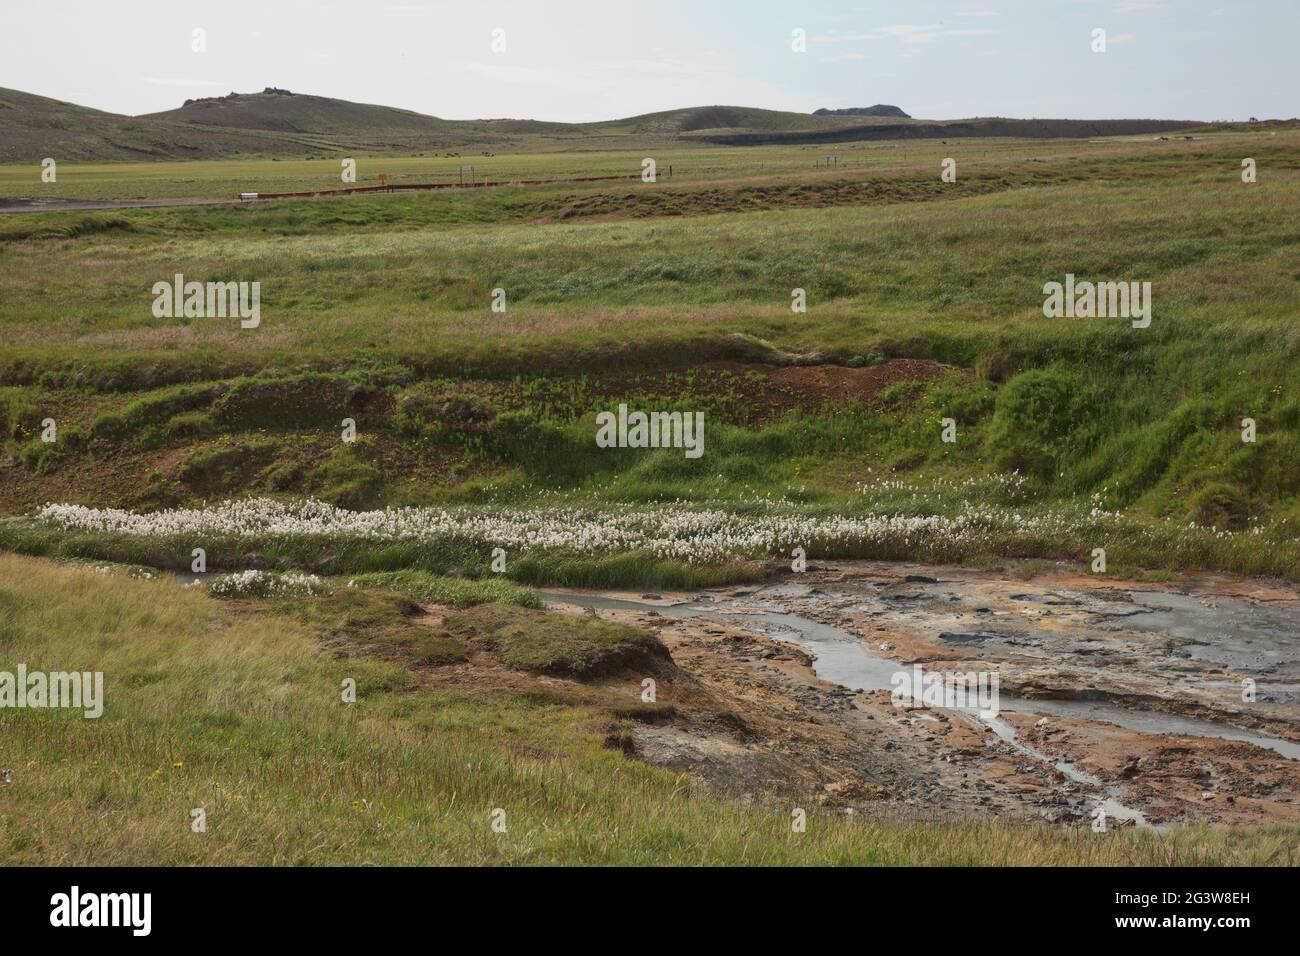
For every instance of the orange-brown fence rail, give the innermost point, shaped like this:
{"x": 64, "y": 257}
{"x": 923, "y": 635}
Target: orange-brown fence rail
{"x": 395, "y": 187}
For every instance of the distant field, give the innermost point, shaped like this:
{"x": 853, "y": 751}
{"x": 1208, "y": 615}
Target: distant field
{"x": 224, "y": 179}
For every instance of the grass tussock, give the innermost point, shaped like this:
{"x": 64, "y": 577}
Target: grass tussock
{"x": 451, "y": 592}
{"x": 565, "y": 646}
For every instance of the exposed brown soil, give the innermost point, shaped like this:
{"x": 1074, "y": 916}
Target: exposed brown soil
{"x": 122, "y": 478}
{"x": 826, "y": 383}
{"x": 1174, "y": 779}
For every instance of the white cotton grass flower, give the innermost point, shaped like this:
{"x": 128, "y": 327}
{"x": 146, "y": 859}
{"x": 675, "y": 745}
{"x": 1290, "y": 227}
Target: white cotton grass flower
{"x": 677, "y": 531}
{"x": 942, "y": 520}
{"x": 264, "y": 584}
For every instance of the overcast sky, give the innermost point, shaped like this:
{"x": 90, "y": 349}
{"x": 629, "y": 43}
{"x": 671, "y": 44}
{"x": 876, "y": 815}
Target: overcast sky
{"x": 579, "y": 60}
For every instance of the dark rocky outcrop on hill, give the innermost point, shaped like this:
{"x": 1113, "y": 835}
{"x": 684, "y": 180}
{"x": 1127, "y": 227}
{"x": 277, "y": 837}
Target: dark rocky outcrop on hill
{"x": 880, "y": 109}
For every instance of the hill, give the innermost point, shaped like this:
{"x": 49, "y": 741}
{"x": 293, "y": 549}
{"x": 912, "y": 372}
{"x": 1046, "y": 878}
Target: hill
{"x": 33, "y": 127}
{"x": 282, "y": 111}
{"x": 271, "y": 123}
{"x": 705, "y": 118}
{"x": 280, "y": 123}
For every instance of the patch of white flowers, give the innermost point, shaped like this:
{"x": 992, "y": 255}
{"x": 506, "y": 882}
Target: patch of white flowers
{"x": 263, "y": 584}
{"x": 678, "y": 531}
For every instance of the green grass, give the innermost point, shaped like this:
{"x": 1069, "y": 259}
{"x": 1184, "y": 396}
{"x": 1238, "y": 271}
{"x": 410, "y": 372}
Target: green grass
{"x": 238, "y": 711}
{"x": 935, "y": 276}
{"x": 453, "y": 592}
{"x": 226, "y": 179}
{"x": 545, "y": 643}
{"x": 367, "y": 622}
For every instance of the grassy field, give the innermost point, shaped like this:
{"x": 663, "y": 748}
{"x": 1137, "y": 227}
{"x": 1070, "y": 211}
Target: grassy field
{"x": 225, "y": 179}
{"x": 233, "y": 707}
{"x": 678, "y": 295}
{"x": 475, "y": 429}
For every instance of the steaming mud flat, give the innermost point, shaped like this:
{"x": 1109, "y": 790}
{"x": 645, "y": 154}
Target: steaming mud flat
{"x": 1123, "y": 695}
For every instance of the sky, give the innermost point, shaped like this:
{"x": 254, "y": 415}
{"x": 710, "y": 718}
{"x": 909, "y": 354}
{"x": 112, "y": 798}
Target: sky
{"x": 583, "y": 60}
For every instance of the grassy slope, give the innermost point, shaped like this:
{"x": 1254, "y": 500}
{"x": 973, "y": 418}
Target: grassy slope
{"x": 34, "y": 127}
{"x": 298, "y": 113}
{"x": 237, "y": 711}
{"x": 397, "y": 290}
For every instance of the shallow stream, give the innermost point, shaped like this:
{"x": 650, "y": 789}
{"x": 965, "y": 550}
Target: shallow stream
{"x": 843, "y": 659}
